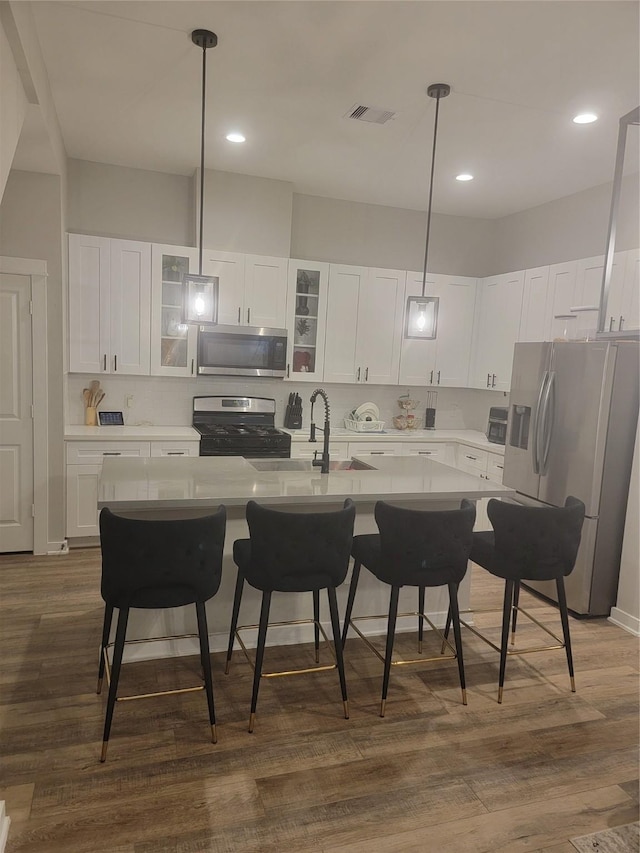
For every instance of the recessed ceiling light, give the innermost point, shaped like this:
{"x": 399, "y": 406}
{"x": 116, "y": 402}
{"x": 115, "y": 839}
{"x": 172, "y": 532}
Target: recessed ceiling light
{"x": 235, "y": 137}
{"x": 464, "y": 177}
{"x": 585, "y": 118}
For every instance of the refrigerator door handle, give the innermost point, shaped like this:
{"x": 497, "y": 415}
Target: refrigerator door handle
{"x": 535, "y": 443}
{"x": 548, "y": 414}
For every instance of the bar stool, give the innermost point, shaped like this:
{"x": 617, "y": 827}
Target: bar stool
{"x": 292, "y": 552}
{"x": 421, "y": 548}
{"x": 529, "y": 543}
{"x": 157, "y": 565}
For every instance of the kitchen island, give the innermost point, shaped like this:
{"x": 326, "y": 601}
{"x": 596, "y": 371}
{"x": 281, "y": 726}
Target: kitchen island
{"x": 188, "y": 486}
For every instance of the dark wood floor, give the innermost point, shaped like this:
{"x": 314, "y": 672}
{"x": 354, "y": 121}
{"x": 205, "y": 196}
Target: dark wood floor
{"x": 433, "y": 775}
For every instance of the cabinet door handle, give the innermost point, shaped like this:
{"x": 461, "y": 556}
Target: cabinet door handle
{"x": 358, "y": 376}
{"x": 501, "y": 467}
{"x": 111, "y": 453}
{"x": 488, "y": 380}
{"x": 475, "y": 458}
{"x": 366, "y": 375}
{"x": 377, "y": 452}
{"x": 104, "y": 362}
{"x": 248, "y": 316}
{"x": 493, "y": 381}
{"x": 438, "y": 377}
{"x": 287, "y": 371}
{"x": 176, "y": 453}
{"x": 431, "y": 378}
{"x": 115, "y": 364}
{"x": 239, "y": 315}
{"x": 425, "y": 452}
{"x": 192, "y": 365}
{"x": 620, "y": 323}
{"x": 611, "y": 324}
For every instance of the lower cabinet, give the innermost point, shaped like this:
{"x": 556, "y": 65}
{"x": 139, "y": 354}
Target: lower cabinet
{"x": 445, "y": 453}
{"x": 84, "y": 466}
{"x": 307, "y": 449}
{"x": 487, "y": 466}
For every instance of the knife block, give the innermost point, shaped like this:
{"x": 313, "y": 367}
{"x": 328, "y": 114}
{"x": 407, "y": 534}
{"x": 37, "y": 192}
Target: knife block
{"x": 293, "y": 417}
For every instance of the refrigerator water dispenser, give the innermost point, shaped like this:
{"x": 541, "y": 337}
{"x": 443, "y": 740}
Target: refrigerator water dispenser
{"x": 520, "y": 419}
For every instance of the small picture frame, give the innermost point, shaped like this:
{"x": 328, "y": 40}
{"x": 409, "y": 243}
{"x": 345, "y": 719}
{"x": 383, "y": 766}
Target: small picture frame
{"x": 110, "y": 419}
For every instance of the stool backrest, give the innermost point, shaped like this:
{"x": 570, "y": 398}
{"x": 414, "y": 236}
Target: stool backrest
{"x": 424, "y": 547}
{"x": 299, "y": 551}
{"x": 158, "y": 563}
{"x": 537, "y": 543}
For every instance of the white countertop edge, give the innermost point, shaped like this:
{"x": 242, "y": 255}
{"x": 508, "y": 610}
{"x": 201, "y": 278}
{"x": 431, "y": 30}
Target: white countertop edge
{"x": 77, "y": 432}
{"x": 472, "y": 438}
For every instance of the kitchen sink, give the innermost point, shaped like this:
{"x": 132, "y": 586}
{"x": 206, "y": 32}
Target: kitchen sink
{"x": 305, "y": 465}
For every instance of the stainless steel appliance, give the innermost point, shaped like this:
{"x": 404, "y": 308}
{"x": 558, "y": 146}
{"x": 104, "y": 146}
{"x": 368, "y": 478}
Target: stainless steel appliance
{"x": 571, "y": 431}
{"x": 241, "y": 351}
{"x": 239, "y": 426}
{"x": 497, "y": 426}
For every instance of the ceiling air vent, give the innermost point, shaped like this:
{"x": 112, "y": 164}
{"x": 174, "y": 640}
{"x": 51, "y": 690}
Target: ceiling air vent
{"x": 370, "y": 114}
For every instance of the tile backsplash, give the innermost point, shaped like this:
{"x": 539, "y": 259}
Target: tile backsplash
{"x": 167, "y": 401}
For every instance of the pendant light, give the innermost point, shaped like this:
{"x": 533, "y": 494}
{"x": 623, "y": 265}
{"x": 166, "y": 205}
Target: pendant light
{"x": 201, "y": 291}
{"x": 422, "y": 311}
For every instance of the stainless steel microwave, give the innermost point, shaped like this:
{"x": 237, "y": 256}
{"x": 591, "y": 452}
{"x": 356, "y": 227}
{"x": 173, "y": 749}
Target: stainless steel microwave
{"x": 241, "y": 351}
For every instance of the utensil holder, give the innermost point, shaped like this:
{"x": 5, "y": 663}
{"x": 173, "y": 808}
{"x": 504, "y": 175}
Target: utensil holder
{"x": 91, "y": 416}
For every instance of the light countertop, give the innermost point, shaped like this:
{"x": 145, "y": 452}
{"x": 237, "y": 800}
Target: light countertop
{"x": 200, "y": 482}
{"x": 471, "y": 437}
{"x": 75, "y": 432}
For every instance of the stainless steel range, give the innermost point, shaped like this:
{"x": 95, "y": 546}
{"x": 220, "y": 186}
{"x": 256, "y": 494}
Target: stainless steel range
{"x": 239, "y": 426}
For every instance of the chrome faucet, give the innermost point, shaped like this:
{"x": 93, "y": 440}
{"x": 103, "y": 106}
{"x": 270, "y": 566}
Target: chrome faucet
{"x": 322, "y": 463}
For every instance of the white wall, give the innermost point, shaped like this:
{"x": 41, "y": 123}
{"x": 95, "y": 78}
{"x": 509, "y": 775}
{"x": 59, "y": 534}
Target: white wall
{"x": 160, "y": 400}
{"x": 13, "y": 107}
{"x": 626, "y": 613}
{"x": 133, "y": 204}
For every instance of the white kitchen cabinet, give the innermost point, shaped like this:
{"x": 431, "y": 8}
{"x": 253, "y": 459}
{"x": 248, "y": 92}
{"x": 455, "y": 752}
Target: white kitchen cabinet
{"x": 623, "y": 306}
{"x": 173, "y": 343}
{"x": 109, "y": 305}
{"x": 252, "y": 289}
{"x": 84, "y": 464}
{"x": 487, "y": 466}
{"x": 437, "y": 451}
{"x": 496, "y": 330}
{"x": 175, "y": 448}
{"x": 308, "y": 284}
{"x": 444, "y": 360}
{"x": 364, "y": 317}
{"x": 537, "y": 306}
{"x": 374, "y": 448}
{"x": 306, "y": 450}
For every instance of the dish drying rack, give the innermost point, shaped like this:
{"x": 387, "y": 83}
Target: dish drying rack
{"x": 363, "y": 426}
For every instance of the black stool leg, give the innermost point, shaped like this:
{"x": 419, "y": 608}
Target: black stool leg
{"x": 262, "y": 637}
{"x": 118, "y": 649}
{"x": 391, "y": 631}
{"x": 237, "y": 598}
{"x": 316, "y": 620}
{"x": 447, "y": 626}
{"x": 205, "y": 656}
{"x": 352, "y": 595}
{"x": 564, "y": 616}
{"x": 337, "y": 642}
{"x": 506, "y": 614}
{"x": 106, "y": 630}
{"x": 420, "y": 619}
{"x": 455, "y": 615}
{"x": 514, "y": 611}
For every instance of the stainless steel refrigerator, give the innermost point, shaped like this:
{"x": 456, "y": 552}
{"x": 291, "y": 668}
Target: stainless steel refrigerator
{"x": 573, "y": 410}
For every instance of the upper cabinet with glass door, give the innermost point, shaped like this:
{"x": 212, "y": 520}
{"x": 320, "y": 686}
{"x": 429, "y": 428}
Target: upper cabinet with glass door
{"x": 306, "y": 316}
{"x": 173, "y": 343}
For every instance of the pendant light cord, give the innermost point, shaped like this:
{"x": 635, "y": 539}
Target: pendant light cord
{"x": 204, "y": 86}
{"x": 433, "y": 166}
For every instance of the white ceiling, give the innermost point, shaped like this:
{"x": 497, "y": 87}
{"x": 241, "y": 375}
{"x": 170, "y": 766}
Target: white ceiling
{"x": 125, "y": 79}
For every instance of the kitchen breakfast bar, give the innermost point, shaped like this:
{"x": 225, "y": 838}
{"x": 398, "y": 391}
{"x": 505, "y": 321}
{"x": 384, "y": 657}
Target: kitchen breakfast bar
{"x": 165, "y": 488}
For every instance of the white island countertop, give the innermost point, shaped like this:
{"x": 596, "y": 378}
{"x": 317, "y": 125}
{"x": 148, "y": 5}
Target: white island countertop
{"x": 199, "y": 482}
{"x": 77, "y": 432}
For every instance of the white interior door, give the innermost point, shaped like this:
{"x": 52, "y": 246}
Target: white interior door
{"x": 16, "y": 422}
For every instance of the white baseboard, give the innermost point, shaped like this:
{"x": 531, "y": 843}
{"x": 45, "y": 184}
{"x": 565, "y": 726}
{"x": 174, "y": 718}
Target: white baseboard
{"x": 624, "y": 620}
{"x": 55, "y": 548}
{"x": 5, "y": 822}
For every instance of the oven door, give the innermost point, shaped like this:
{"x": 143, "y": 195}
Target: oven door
{"x": 241, "y": 351}
{"x": 252, "y": 452}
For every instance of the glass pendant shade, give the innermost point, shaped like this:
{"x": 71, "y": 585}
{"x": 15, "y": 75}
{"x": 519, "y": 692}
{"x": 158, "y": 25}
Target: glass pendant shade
{"x": 200, "y": 299}
{"x": 422, "y": 317}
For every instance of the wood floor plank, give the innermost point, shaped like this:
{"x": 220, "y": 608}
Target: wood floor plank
{"x": 527, "y": 775}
